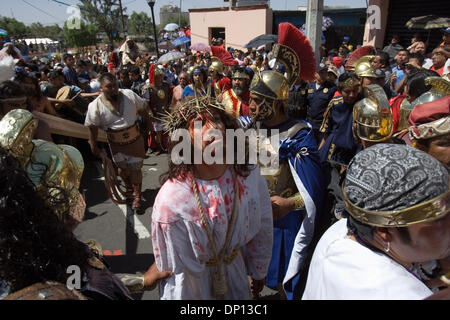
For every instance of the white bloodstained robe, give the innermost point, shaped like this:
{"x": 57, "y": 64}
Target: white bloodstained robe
{"x": 180, "y": 242}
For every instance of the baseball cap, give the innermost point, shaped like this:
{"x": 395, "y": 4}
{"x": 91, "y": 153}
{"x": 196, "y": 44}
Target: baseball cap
{"x": 379, "y": 73}
{"x": 333, "y": 70}
{"x": 82, "y": 80}
{"x": 337, "y": 61}
{"x": 322, "y": 66}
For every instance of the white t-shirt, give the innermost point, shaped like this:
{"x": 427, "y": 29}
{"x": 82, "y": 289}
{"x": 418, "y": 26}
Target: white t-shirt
{"x": 343, "y": 269}
{"x": 99, "y": 115}
{"x": 95, "y": 86}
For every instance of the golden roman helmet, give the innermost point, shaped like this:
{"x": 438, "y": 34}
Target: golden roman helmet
{"x": 293, "y": 48}
{"x": 64, "y": 163}
{"x": 373, "y": 116}
{"x": 16, "y": 134}
{"x": 190, "y": 70}
{"x": 439, "y": 89}
{"x": 272, "y": 84}
{"x": 239, "y": 73}
{"x": 363, "y": 67}
{"x": 216, "y": 66}
{"x": 158, "y": 70}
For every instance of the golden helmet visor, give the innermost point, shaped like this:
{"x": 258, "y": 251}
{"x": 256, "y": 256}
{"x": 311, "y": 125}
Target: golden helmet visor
{"x": 373, "y": 116}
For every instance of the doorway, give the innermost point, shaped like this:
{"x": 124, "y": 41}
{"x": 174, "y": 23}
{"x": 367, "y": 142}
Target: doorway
{"x": 215, "y": 34}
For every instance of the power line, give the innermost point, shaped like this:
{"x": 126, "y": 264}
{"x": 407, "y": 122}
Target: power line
{"x": 41, "y": 10}
{"x": 84, "y": 9}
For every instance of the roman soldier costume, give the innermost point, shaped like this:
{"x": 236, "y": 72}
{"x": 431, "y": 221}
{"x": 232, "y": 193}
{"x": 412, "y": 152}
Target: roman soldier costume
{"x": 235, "y": 104}
{"x": 373, "y": 116}
{"x": 220, "y": 82}
{"x": 298, "y": 175}
{"x": 55, "y": 170}
{"x": 439, "y": 89}
{"x": 220, "y": 60}
{"x": 160, "y": 96}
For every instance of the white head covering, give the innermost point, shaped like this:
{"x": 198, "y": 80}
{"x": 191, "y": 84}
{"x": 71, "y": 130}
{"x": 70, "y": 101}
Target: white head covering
{"x": 6, "y": 68}
{"x": 5, "y": 48}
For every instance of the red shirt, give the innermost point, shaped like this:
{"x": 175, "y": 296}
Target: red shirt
{"x": 395, "y": 104}
{"x": 440, "y": 71}
{"x": 224, "y": 84}
{"x": 245, "y": 98}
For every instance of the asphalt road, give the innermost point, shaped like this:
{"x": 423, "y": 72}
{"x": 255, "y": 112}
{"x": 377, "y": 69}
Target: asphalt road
{"x": 125, "y": 238}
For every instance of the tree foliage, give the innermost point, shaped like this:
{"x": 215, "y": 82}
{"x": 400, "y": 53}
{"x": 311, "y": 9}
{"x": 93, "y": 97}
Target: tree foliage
{"x": 18, "y": 30}
{"x": 84, "y": 36}
{"x": 39, "y": 31}
{"x": 140, "y": 24}
{"x": 105, "y": 14}
{"x": 14, "y": 28}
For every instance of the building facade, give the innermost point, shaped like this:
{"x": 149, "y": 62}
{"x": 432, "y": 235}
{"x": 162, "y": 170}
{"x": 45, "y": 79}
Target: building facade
{"x": 168, "y": 11}
{"x": 236, "y": 25}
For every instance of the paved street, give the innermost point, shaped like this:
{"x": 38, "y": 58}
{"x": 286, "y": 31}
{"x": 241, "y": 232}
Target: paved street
{"x": 125, "y": 237}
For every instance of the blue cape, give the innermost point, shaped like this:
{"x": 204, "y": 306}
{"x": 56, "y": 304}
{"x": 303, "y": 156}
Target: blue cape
{"x": 294, "y": 232}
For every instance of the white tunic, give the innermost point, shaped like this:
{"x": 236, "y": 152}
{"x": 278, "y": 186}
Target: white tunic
{"x": 100, "y": 116}
{"x": 180, "y": 242}
{"x": 342, "y": 269}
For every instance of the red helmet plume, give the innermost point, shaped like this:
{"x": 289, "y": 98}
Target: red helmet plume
{"x": 292, "y": 37}
{"x": 223, "y": 55}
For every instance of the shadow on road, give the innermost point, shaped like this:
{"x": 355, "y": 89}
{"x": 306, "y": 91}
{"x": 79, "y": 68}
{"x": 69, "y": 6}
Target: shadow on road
{"x": 88, "y": 215}
{"x": 131, "y": 263}
{"x": 148, "y": 196}
{"x": 131, "y": 239}
{"x": 96, "y": 193}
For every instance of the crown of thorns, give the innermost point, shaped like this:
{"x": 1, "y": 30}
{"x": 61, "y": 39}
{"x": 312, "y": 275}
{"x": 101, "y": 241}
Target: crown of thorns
{"x": 187, "y": 110}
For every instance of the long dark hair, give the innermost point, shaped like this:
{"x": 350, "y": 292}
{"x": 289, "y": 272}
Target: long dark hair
{"x": 37, "y": 88}
{"x": 34, "y": 244}
{"x": 182, "y": 171}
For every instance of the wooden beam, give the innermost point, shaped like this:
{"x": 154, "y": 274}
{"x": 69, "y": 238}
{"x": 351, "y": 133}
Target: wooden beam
{"x": 68, "y": 128}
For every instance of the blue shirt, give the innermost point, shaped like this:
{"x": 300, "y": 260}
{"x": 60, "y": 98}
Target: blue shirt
{"x": 340, "y": 146}
{"x": 318, "y": 100}
{"x": 400, "y": 75}
{"x": 70, "y": 76}
{"x": 188, "y": 91}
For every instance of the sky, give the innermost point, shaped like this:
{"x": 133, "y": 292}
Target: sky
{"x": 49, "y": 12}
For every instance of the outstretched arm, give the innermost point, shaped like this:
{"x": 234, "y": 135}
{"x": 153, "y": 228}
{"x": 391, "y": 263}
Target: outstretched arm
{"x": 153, "y": 275}
{"x": 93, "y": 133}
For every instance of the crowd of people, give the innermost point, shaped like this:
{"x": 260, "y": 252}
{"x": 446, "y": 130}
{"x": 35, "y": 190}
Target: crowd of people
{"x": 357, "y": 207}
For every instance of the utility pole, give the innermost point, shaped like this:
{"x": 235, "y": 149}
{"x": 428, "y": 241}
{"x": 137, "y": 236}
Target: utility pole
{"x": 123, "y": 20}
{"x": 314, "y": 16}
{"x": 151, "y": 4}
{"x": 179, "y": 16}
